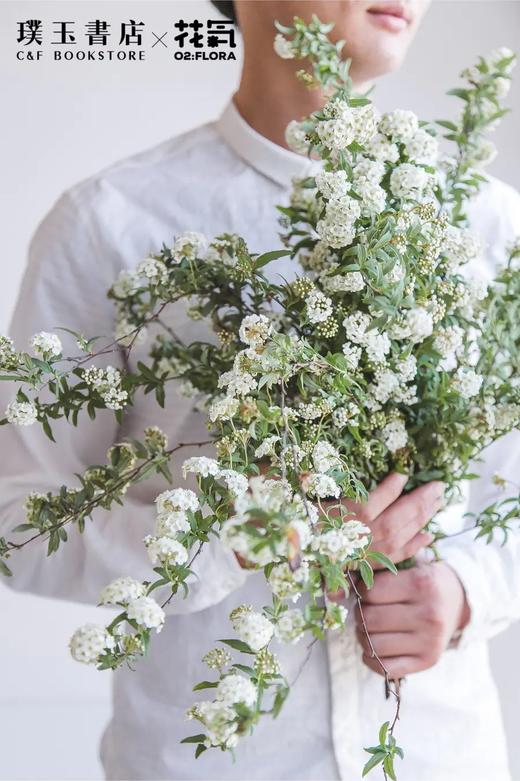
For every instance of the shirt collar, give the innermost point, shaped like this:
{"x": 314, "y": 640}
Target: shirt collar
{"x": 268, "y": 158}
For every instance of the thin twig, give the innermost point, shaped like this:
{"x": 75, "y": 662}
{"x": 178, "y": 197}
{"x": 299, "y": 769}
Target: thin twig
{"x": 86, "y": 509}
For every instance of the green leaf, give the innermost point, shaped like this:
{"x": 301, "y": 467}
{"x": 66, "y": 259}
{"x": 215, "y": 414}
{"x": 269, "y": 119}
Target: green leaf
{"x": 194, "y": 739}
{"x": 23, "y": 527}
{"x": 199, "y": 750}
{"x": 267, "y": 257}
{"x": 366, "y": 573}
{"x": 383, "y": 732}
{"x": 385, "y": 561}
{"x": 374, "y": 760}
{"x": 238, "y": 645}
{"x": 205, "y": 685}
{"x": 388, "y": 764}
{"x": 4, "y": 569}
{"x": 47, "y": 429}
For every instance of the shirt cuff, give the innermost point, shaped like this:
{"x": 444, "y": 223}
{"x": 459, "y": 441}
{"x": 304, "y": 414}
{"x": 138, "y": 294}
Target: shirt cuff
{"x": 470, "y": 576}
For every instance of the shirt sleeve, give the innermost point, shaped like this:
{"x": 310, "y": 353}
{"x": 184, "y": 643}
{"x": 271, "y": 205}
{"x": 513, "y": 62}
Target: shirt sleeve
{"x": 490, "y": 573}
{"x": 70, "y": 267}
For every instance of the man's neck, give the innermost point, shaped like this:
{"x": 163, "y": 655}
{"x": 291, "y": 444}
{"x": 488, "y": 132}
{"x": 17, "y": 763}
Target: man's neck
{"x": 270, "y": 96}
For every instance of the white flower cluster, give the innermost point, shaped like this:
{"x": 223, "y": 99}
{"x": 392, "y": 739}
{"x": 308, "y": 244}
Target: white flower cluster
{"x": 219, "y": 721}
{"x": 337, "y": 228}
{"x": 319, "y": 307}
{"x": 287, "y": 583}
{"x": 255, "y": 330}
{"x": 235, "y": 688}
{"x": 204, "y": 467}
{"x": 21, "y": 413}
{"x": 252, "y": 628}
{"x": 122, "y": 591}
{"x": 290, "y": 626}
{"x": 172, "y": 520}
{"x": 89, "y": 643}
{"x": 146, "y": 613}
{"x": 107, "y": 382}
{"x": 189, "y": 246}
{"x": 340, "y": 543}
{"x": 47, "y": 345}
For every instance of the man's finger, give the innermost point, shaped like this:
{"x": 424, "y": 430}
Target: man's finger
{"x": 388, "y": 490}
{"x": 382, "y": 618}
{"x": 390, "y": 643}
{"x": 389, "y": 588}
{"x": 396, "y": 666}
{"x": 408, "y": 515}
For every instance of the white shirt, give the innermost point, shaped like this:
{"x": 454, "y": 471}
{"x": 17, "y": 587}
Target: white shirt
{"x": 225, "y": 177}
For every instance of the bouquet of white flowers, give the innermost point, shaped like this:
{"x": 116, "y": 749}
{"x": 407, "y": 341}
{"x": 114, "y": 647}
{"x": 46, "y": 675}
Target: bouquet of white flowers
{"x": 382, "y": 355}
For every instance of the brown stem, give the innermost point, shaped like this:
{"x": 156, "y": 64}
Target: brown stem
{"x": 125, "y": 478}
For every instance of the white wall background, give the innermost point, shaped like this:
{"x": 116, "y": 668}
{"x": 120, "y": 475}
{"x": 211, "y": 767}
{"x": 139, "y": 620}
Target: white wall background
{"x": 63, "y": 121}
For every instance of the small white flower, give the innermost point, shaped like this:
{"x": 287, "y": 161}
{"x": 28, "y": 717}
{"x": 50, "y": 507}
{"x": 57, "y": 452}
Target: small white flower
{"x": 223, "y": 409}
{"x": 385, "y": 386}
{"x": 121, "y": 591}
{"x": 267, "y": 447}
{"x": 373, "y": 197}
{"x": 399, "y": 125}
{"x": 219, "y": 720}
{"x": 337, "y": 133}
{"x": 89, "y": 642}
{"x": 47, "y": 345}
{"x": 286, "y": 583}
{"x": 467, "y": 382}
{"x": 146, "y": 612}
{"x": 290, "y": 626}
{"x": 422, "y": 147}
{"x": 237, "y": 383}
{"x": 165, "y": 550}
{"x": 325, "y": 457}
{"x": 126, "y": 284}
{"x": 448, "y": 341}
{"x": 21, "y": 413}
{"x": 352, "y": 354}
{"x": 238, "y": 484}
{"x": 394, "y": 435}
{"x": 107, "y": 382}
{"x": 201, "y": 465}
{"x": 376, "y": 345}
{"x": 332, "y": 184}
{"x": 171, "y": 523}
{"x": 335, "y": 617}
{"x": 283, "y": 47}
{"x": 295, "y": 137}
{"x": 368, "y": 170}
{"x": 153, "y": 269}
{"x": 189, "y": 245}
{"x": 319, "y": 307}
{"x": 409, "y": 182}
{"x": 235, "y": 688}
{"x": 254, "y": 629}
{"x": 382, "y": 149}
{"x": 355, "y": 326}
{"x": 407, "y": 368}
{"x": 255, "y": 330}
{"x": 336, "y": 233}
{"x": 177, "y": 499}
{"x": 321, "y": 485}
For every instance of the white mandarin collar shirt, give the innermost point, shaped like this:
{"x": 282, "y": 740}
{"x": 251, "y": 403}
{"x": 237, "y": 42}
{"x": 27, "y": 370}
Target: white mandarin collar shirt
{"x": 225, "y": 177}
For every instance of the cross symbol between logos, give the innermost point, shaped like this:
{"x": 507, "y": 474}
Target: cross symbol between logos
{"x": 160, "y": 39}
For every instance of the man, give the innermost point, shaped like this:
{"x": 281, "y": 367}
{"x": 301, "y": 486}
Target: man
{"x": 429, "y": 623}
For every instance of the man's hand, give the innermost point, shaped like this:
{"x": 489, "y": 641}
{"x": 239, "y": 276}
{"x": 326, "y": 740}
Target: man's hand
{"x": 396, "y": 520}
{"x": 411, "y": 617}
